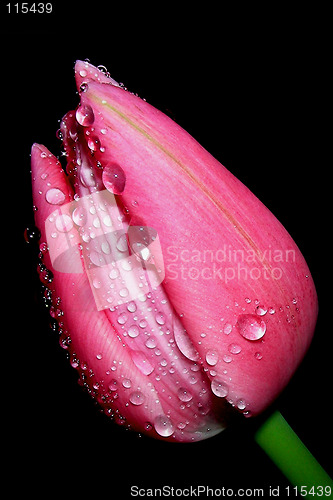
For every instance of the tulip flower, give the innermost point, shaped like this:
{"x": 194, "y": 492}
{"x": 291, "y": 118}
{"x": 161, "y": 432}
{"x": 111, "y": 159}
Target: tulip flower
{"x": 182, "y": 300}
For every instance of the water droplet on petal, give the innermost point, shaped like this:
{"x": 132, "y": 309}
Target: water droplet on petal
{"x": 185, "y": 345}
{"x": 113, "y": 385}
{"x": 261, "y": 310}
{"x": 160, "y": 318}
{"x": 212, "y": 358}
{"x": 114, "y": 178}
{"x": 79, "y": 216}
{"x": 133, "y": 331}
{"x": 63, "y": 223}
{"x": 227, "y": 328}
{"x": 137, "y": 398}
{"x": 241, "y": 405}
{"x": 184, "y": 394}
{"x": 141, "y": 362}
{"x": 163, "y": 426}
{"x": 234, "y": 348}
{"x": 85, "y": 115}
{"x": 127, "y": 383}
{"x": 220, "y": 389}
{"x": 55, "y": 196}
{"x": 251, "y": 327}
{"x": 151, "y": 343}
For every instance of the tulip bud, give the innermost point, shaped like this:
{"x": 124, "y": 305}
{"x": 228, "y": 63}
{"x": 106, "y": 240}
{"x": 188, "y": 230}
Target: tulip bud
{"x": 186, "y": 302}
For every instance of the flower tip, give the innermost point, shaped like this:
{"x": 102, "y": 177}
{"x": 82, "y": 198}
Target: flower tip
{"x": 86, "y": 72}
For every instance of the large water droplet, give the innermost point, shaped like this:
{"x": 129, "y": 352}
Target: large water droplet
{"x": 251, "y": 327}
{"x": 79, "y": 216}
{"x": 220, "y": 389}
{"x": 63, "y": 223}
{"x": 212, "y": 358}
{"x": 85, "y": 115}
{"x": 114, "y": 178}
{"x": 133, "y": 331}
{"x": 234, "y": 348}
{"x": 184, "y": 394}
{"x": 55, "y": 196}
{"x": 185, "y": 345}
{"x": 137, "y": 398}
{"x": 31, "y": 234}
{"x": 141, "y": 362}
{"x": 160, "y": 318}
{"x": 163, "y": 426}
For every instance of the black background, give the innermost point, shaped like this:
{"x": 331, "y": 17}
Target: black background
{"x": 251, "y": 87}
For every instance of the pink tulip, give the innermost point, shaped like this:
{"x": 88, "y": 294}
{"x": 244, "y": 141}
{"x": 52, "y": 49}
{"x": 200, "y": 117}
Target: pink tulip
{"x": 181, "y": 299}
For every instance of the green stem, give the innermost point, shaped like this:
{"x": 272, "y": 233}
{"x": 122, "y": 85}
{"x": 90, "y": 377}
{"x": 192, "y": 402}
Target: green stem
{"x": 290, "y": 455}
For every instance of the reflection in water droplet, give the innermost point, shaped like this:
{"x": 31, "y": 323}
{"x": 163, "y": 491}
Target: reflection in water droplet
{"x": 160, "y": 318}
{"x": 251, "y": 327}
{"x": 141, "y": 362}
{"x": 220, "y": 389}
{"x": 127, "y": 383}
{"x": 79, "y": 216}
{"x": 85, "y": 115}
{"x": 227, "y": 328}
{"x": 184, "y": 395}
{"x": 63, "y": 223}
{"x": 55, "y": 196}
{"x": 234, "y": 348}
{"x": 114, "y": 178}
{"x": 212, "y": 358}
{"x": 185, "y": 345}
{"x": 163, "y": 426}
{"x": 113, "y": 385}
{"x": 137, "y": 398}
{"x": 261, "y": 310}
{"x": 133, "y": 331}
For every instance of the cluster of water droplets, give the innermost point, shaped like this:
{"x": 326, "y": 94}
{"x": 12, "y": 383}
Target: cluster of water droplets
{"x": 247, "y": 334}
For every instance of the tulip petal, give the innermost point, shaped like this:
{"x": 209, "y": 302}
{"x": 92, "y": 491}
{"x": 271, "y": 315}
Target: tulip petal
{"x": 126, "y": 354}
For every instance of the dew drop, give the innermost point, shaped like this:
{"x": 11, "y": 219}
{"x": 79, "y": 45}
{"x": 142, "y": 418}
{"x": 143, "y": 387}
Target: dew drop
{"x": 212, "y": 358}
{"x": 185, "y": 345}
{"x": 151, "y": 343}
{"x": 163, "y": 426}
{"x": 160, "y": 318}
{"x": 227, "y": 328}
{"x": 234, "y": 348}
{"x": 122, "y": 318}
{"x": 55, "y": 196}
{"x": 85, "y": 115}
{"x": 79, "y": 216}
{"x": 220, "y": 389}
{"x": 131, "y": 307}
{"x": 114, "y": 178}
{"x": 113, "y": 385}
{"x": 261, "y": 310}
{"x": 137, "y": 398}
{"x": 133, "y": 331}
{"x": 141, "y": 362}
{"x": 241, "y": 405}
{"x": 63, "y": 223}
{"x": 251, "y": 327}
{"x": 121, "y": 244}
{"x": 31, "y": 234}
{"x": 127, "y": 383}
{"x": 258, "y": 355}
{"x": 184, "y": 395}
